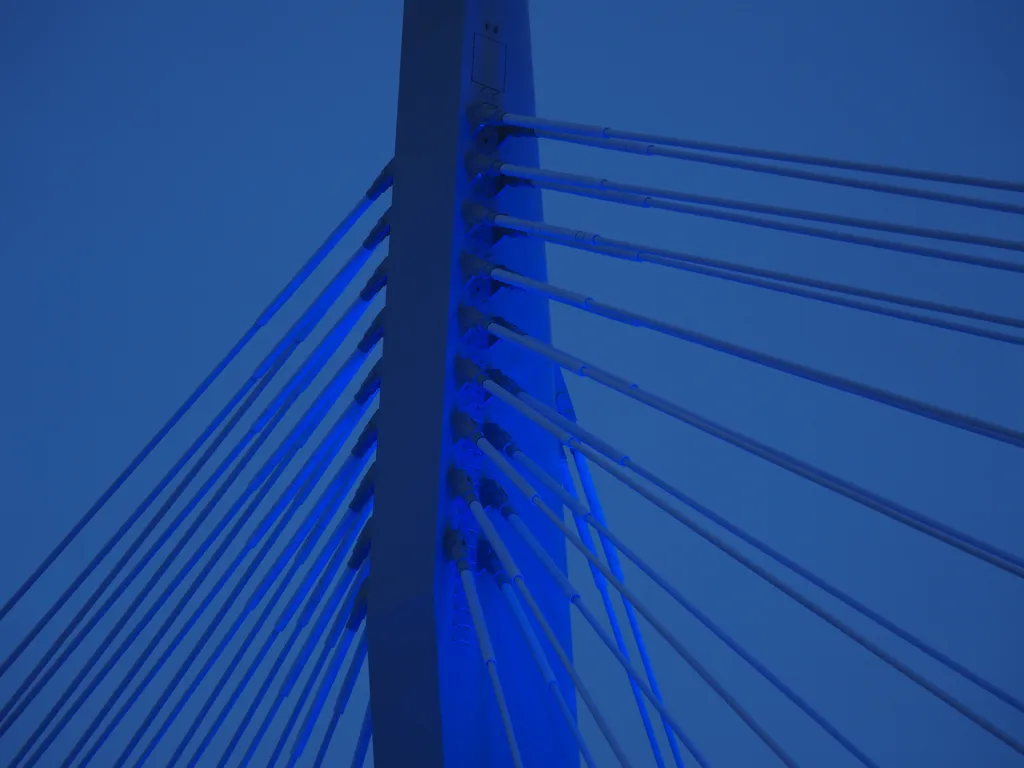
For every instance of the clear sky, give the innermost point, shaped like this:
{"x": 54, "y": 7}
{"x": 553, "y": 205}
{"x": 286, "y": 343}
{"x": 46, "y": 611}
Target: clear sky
{"x": 164, "y": 168}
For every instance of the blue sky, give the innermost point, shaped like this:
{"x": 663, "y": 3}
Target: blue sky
{"x": 165, "y": 168}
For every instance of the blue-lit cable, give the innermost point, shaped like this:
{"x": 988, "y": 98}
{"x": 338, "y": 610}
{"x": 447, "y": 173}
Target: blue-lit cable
{"x": 257, "y": 435}
{"x": 338, "y": 606}
{"x": 264, "y": 481}
{"x": 16, "y": 704}
{"x": 492, "y": 115}
{"x": 355, "y": 667}
{"x": 314, "y": 584}
{"x": 958, "y": 539}
{"x": 6, "y": 714}
{"x": 562, "y": 425}
{"x": 363, "y": 742}
{"x": 569, "y": 182}
{"x": 830, "y": 618}
{"x": 382, "y": 183}
{"x": 347, "y": 686}
{"x": 592, "y": 442}
{"x": 263, "y": 373}
{"x": 159, "y": 635}
{"x": 910, "y": 405}
{"x": 513, "y": 475}
{"x": 340, "y": 650}
{"x": 583, "y": 515}
{"x": 347, "y": 576}
{"x": 103, "y": 647}
{"x": 139, "y": 541}
{"x": 339, "y": 638}
{"x": 606, "y": 599}
{"x": 594, "y": 502}
{"x": 341, "y": 538}
{"x": 294, "y": 496}
{"x": 566, "y": 492}
{"x": 299, "y": 548}
{"x": 333, "y": 602}
{"x": 773, "y": 280}
{"x": 565, "y": 431}
{"x": 505, "y": 585}
{"x": 771, "y": 677}
{"x": 504, "y": 557}
{"x": 489, "y": 658}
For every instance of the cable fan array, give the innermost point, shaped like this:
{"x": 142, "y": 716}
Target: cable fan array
{"x": 511, "y": 478}
{"x": 262, "y": 542}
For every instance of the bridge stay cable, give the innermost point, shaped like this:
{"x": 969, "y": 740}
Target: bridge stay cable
{"x": 770, "y": 279}
{"x": 380, "y": 185}
{"x": 264, "y": 480}
{"x": 344, "y": 696}
{"x": 1006, "y": 561}
{"x": 593, "y": 306}
{"x": 490, "y": 115}
{"x": 254, "y": 439}
{"x": 302, "y": 541}
{"x": 580, "y": 184}
{"x": 613, "y": 467}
